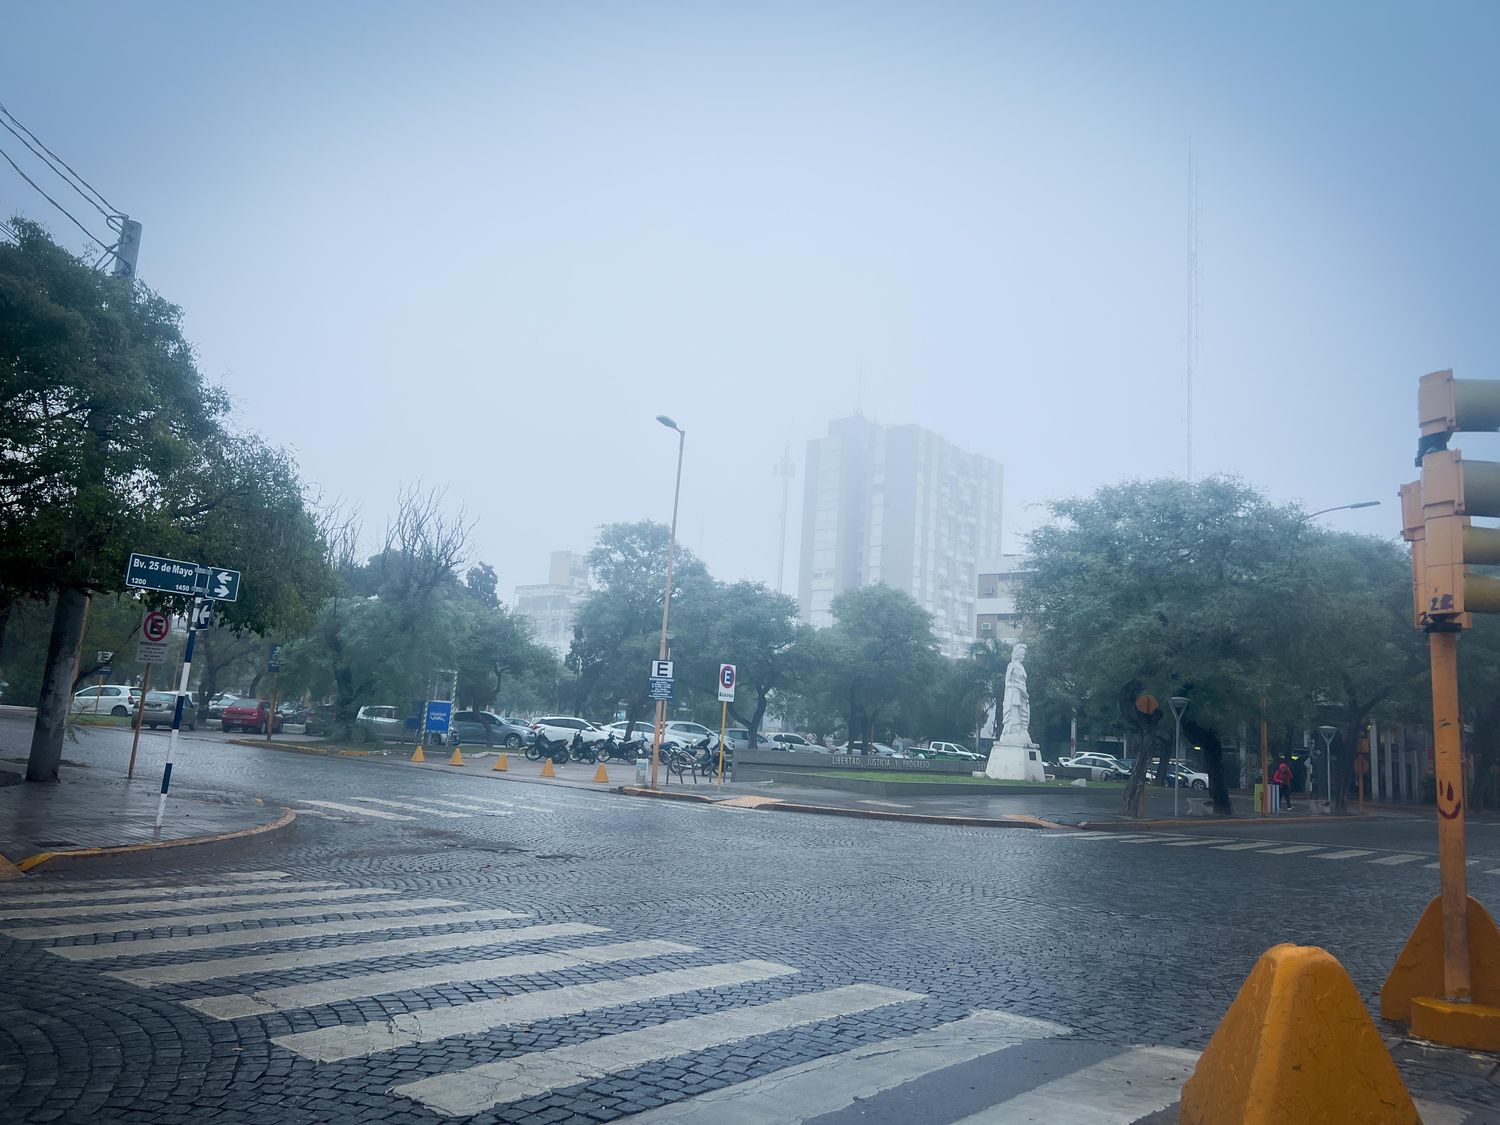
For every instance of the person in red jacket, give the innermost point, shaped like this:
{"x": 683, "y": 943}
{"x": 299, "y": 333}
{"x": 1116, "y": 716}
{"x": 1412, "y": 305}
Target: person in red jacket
{"x": 1281, "y": 776}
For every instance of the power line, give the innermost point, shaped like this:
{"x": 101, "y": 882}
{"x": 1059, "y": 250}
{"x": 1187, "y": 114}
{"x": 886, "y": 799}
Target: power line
{"x": 111, "y": 208}
{"x": 49, "y": 199}
{"x": 37, "y": 153}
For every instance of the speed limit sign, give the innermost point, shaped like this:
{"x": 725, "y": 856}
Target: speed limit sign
{"x": 157, "y": 626}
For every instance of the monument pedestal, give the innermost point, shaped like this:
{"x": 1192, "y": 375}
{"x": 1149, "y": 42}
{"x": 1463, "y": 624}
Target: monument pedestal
{"x": 1015, "y": 761}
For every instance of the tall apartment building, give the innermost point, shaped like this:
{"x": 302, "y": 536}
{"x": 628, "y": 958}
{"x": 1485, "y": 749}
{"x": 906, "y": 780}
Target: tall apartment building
{"x": 995, "y": 612}
{"x": 903, "y": 506}
{"x": 552, "y": 606}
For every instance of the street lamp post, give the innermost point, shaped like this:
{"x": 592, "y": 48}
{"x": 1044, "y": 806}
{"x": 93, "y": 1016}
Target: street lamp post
{"x": 666, "y": 598}
{"x": 1328, "y": 732}
{"x": 1341, "y": 508}
{"x": 1179, "y": 705}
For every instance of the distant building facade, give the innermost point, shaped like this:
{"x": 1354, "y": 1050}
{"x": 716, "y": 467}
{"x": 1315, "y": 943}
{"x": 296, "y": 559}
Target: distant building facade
{"x": 552, "y": 606}
{"x": 995, "y": 616}
{"x": 903, "y": 506}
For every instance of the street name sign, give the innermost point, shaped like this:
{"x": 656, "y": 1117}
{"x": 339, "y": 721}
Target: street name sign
{"x": 726, "y": 683}
{"x": 175, "y": 576}
{"x": 170, "y": 576}
{"x": 660, "y": 689}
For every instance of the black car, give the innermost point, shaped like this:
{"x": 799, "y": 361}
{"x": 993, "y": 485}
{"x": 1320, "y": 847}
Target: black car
{"x": 485, "y": 728}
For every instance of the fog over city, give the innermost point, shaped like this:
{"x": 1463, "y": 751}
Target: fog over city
{"x": 484, "y": 245}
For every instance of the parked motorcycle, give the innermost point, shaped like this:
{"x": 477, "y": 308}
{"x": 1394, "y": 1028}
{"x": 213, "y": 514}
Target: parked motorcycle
{"x": 612, "y": 749}
{"x": 544, "y": 747}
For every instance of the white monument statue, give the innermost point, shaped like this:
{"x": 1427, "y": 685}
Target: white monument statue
{"x": 1014, "y": 757}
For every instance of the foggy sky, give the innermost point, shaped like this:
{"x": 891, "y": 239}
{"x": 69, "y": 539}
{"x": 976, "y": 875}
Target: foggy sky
{"x": 484, "y": 244}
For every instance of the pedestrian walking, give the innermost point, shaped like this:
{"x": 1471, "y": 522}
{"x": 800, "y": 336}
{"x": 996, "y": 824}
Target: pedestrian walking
{"x": 1282, "y": 777}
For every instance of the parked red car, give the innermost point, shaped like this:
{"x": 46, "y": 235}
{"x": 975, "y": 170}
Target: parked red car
{"x": 250, "y": 715}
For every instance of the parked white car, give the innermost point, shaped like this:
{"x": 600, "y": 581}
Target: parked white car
{"x": 1101, "y": 766}
{"x": 106, "y": 699}
{"x": 791, "y": 741}
{"x": 952, "y": 750}
{"x": 562, "y": 728}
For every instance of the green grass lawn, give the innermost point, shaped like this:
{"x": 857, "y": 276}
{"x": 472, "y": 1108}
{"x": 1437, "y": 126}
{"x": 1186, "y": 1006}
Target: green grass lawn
{"x": 948, "y": 779}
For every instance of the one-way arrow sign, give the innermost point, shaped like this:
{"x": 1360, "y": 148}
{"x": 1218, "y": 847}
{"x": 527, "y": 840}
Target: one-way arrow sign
{"x": 221, "y": 585}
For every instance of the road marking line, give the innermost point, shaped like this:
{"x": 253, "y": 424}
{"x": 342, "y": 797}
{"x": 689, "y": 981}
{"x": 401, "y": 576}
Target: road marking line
{"x": 134, "y": 947}
{"x": 170, "y": 904}
{"x": 1243, "y": 846}
{"x": 1116, "y": 1091}
{"x": 1439, "y": 1113}
{"x": 258, "y": 875}
{"x": 1435, "y": 866}
{"x": 1198, "y": 842}
{"x": 488, "y": 1085}
{"x": 1348, "y": 853}
{"x": 476, "y": 804}
{"x": 1291, "y": 849}
{"x": 291, "y": 997}
{"x": 137, "y": 892}
{"x": 82, "y": 887}
{"x": 347, "y": 1041}
{"x": 1493, "y": 871}
{"x": 1117, "y": 837}
{"x": 1391, "y": 860}
{"x": 324, "y": 815}
{"x": 357, "y": 809}
{"x": 218, "y": 968}
{"x": 1157, "y": 838}
{"x": 297, "y": 906}
{"x": 836, "y": 1082}
{"x": 409, "y": 807}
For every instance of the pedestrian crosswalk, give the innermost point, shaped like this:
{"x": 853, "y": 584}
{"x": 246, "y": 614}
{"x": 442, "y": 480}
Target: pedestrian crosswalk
{"x": 411, "y": 808}
{"x": 373, "y": 977}
{"x": 1325, "y": 852}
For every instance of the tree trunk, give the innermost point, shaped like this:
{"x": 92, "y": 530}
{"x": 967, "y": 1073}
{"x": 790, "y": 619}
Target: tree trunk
{"x": 1213, "y": 758}
{"x": 57, "y": 686}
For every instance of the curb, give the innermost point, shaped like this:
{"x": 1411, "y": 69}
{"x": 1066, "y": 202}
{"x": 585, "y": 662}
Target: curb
{"x": 856, "y": 814}
{"x": 298, "y": 748}
{"x": 1196, "y": 822}
{"x": 30, "y": 862}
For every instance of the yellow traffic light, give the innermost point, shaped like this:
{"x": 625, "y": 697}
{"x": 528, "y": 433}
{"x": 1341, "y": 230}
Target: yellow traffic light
{"x": 1444, "y": 541}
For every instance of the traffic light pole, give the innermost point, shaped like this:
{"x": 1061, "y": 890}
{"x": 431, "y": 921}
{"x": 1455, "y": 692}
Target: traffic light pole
{"x": 1450, "y": 806}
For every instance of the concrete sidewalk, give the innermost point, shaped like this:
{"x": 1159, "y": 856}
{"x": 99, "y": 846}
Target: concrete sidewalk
{"x": 90, "y": 813}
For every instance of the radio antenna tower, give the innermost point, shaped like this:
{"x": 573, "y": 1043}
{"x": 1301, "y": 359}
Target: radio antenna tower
{"x": 1192, "y": 356}
{"x": 786, "y": 468}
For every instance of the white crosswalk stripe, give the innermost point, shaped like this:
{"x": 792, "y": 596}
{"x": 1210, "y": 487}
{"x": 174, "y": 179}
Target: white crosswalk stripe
{"x": 1347, "y": 853}
{"x": 1292, "y": 849}
{"x": 1395, "y": 859}
{"x": 267, "y": 934}
{"x": 409, "y": 807}
{"x": 291, "y": 997}
{"x": 510, "y": 1080}
{"x": 1116, "y": 1091}
{"x": 328, "y": 1044}
{"x": 478, "y": 804}
{"x": 356, "y": 809}
{"x": 1242, "y": 846}
{"x": 299, "y": 906}
{"x": 219, "y": 967}
{"x": 147, "y": 892}
{"x": 147, "y": 906}
{"x": 835, "y": 1082}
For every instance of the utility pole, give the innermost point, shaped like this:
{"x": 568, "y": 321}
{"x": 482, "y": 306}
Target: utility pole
{"x": 786, "y": 468}
{"x": 128, "y": 248}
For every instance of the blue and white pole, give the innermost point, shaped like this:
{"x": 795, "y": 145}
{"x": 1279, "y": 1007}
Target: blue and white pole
{"x": 182, "y": 686}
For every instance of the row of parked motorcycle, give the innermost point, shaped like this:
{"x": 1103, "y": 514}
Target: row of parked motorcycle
{"x": 701, "y": 756}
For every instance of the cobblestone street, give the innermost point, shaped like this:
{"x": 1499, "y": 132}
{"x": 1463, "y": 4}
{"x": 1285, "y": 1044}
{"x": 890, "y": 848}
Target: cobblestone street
{"x": 420, "y": 945}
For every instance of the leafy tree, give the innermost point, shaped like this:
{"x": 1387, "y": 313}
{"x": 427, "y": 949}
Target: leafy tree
{"x": 751, "y": 626}
{"x": 1172, "y": 588}
{"x": 111, "y": 441}
{"x": 878, "y": 651}
{"x": 619, "y": 623}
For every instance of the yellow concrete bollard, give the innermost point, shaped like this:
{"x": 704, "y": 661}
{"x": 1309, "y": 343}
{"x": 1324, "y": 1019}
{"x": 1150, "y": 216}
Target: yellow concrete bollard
{"x": 600, "y": 776}
{"x": 457, "y": 759}
{"x": 1297, "y": 1045}
{"x": 501, "y": 763}
{"x": 547, "y": 770}
{"x": 419, "y": 756}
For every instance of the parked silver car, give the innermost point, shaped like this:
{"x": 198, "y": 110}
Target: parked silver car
{"x": 158, "y": 706}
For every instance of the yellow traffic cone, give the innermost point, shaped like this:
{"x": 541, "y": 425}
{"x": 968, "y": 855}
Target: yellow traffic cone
{"x": 547, "y": 770}
{"x": 457, "y": 759}
{"x": 419, "y": 756}
{"x": 501, "y": 762}
{"x": 600, "y": 775}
